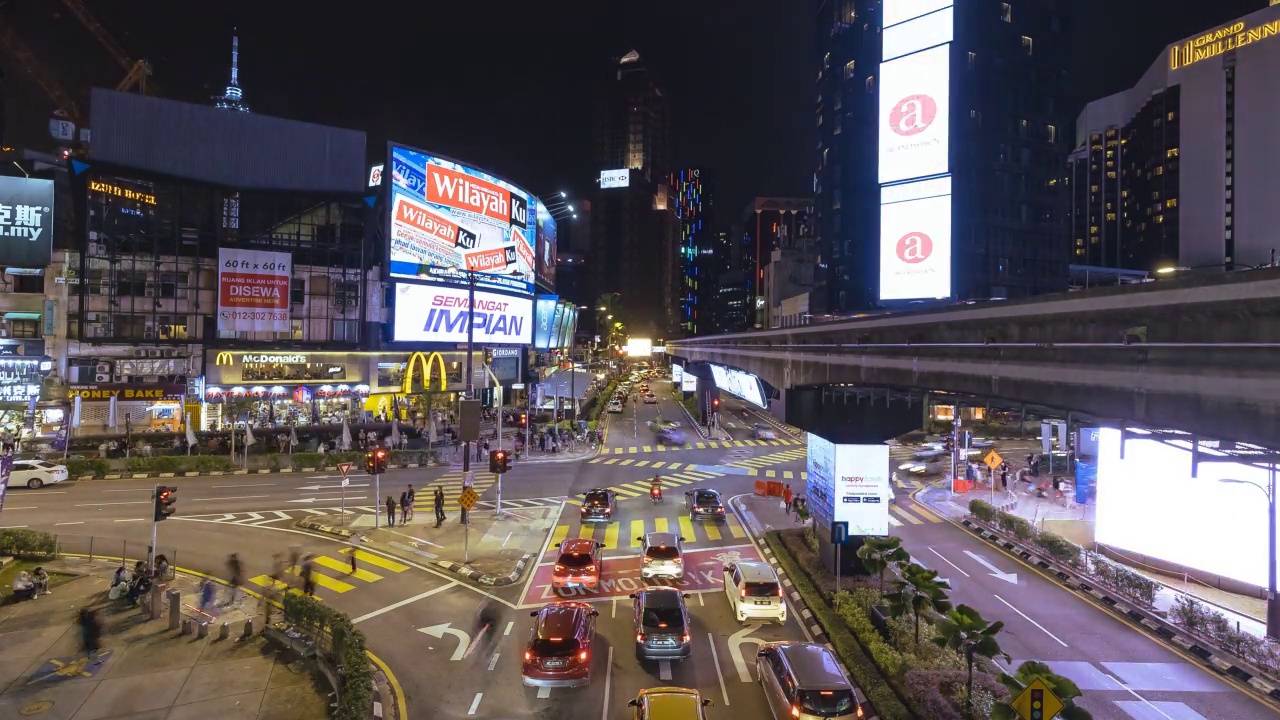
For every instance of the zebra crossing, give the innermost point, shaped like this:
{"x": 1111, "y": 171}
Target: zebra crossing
{"x": 451, "y": 483}
{"x": 336, "y": 574}
{"x": 641, "y": 487}
{"x": 779, "y": 458}
{"x": 692, "y": 531}
{"x": 709, "y": 444}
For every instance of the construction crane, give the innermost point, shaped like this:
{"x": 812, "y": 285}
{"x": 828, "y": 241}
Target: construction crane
{"x": 12, "y": 44}
{"x": 137, "y": 72}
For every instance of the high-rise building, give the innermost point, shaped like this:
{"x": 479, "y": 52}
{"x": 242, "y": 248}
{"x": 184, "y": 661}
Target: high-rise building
{"x": 769, "y": 224}
{"x": 970, "y": 98}
{"x": 694, "y": 204}
{"x": 634, "y": 229}
{"x": 1178, "y": 171}
{"x": 233, "y": 97}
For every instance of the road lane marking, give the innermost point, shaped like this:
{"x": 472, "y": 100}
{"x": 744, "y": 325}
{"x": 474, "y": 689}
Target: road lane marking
{"x": 637, "y": 531}
{"x": 323, "y": 580}
{"x": 557, "y": 537}
{"x": 935, "y": 552}
{"x": 700, "y": 600}
{"x": 219, "y": 487}
{"x": 905, "y": 515}
{"x": 587, "y": 531}
{"x": 239, "y": 497}
{"x": 1033, "y": 622}
{"x": 510, "y": 624}
{"x": 660, "y": 525}
{"x": 715, "y": 660}
{"x": 664, "y": 669}
{"x": 735, "y": 528}
{"x": 402, "y": 603}
{"x": 544, "y": 692}
{"x": 711, "y": 529}
{"x": 686, "y": 526}
{"x": 1131, "y": 692}
{"x": 11, "y": 527}
{"x": 475, "y": 704}
{"x": 611, "y": 535}
{"x": 132, "y": 520}
{"x": 925, "y": 513}
{"x": 608, "y": 682}
{"x": 493, "y": 661}
{"x": 69, "y": 523}
{"x": 126, "y": 502}
{"x": 359, "y": 574}
{"x": 133, "y": 490}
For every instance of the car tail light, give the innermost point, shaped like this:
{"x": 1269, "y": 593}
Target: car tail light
{"x": 647, "y": 559}
{"x": 639, "y": 637}
{"x": 582, "y": 656}
{"x": 795, "y": 711}
{"x": 697, "y": 509}
{"x": 528, "y": 656}
{"x": 779, "y": 591}
{"x": 608, "y": 511}
{"x": 559, "y": 567}
{"x": 859, "y": 711}
{"x": 684, "y": 638}
{"x": 742, "y": 592}
{"x": 677, "y": 561}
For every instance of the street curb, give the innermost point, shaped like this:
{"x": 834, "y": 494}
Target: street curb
{"x": 508, "y": 579}
{"x": 804, "y": 614}
{"x": 241, "y": 471}
{"x": 326, "y": 529}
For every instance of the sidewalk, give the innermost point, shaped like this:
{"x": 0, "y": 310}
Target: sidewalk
{"x": 143, "y": 671}
{"x": 499, "y": 549}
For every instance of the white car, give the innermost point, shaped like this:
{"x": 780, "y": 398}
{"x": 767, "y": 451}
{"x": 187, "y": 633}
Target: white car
{"x": 650, "y": 399}
{"x": 36, "y": 473}
{"x": 754, "y": 592}
{"x": 661, "y": 555}
{"x": 614, "y": 406}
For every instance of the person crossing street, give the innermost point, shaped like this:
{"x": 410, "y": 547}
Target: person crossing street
{"x": 391, "y": 511}
{"x": 438, "y": 501}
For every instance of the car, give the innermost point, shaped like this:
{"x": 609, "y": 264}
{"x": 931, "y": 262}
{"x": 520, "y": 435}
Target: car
{"x": 804, "y": 681}
{"x": 669, "y": 703}
{"x": 614, "y": 406}
{"x": 35, "y": 474}
{"x": 704, "y": 503}
{"x": 650, "y": 398}
{"x": 754, "y": 591}
{"x": 598, "y": 505}
{"x": 661, "y": 555}
{"x": 558, "y": 653}
{"x": 644, "y": 387}
{"x": 670, "y": 436}
{"x": 661, "y": 624}
{"x": 760, "y": 431}
{"x": 579, "y": 564}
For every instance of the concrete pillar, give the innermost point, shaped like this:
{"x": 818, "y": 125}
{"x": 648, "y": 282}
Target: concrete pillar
{"x": 224, "y": 631}
{"x": 203, "y": 631}
{"x": 175, "y": 607}
{"x": 248, "y": 629}
{"x": 186, "y": 626}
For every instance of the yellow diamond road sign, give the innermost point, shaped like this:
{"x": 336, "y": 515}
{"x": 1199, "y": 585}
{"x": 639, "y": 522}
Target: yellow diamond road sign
{"x": 468, "y": 499}
{"x": 1037, "y": 702}
{"x": 993, "y": 459}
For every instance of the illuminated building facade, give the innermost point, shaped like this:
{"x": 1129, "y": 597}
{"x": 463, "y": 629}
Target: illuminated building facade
{"x": 1179, "y": 170}
{"x": 233, "y": 97}
{"x": 693, "y": 206}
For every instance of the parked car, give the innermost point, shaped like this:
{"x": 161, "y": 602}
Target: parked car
{"x": 578, "y": 565}
{"x": 804, "y": 681}
{"x": 558, "y": 653}
{"x": 661, "y": 555}
{"x": 661, "y": 624}
{"x": 35, "y": 474}
{"x": 704, "y": 503}
{"x": 669, "y": 703}
{"x": 760, "y": 431}
{"x": 614, "y": 406}
{"x": 598, "y": 505}
{"x": 754, "y": 591}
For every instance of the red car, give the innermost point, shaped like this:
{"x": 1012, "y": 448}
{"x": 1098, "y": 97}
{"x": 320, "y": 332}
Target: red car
{"x": 559, "y": 649}
{"x": 578, "y": 564}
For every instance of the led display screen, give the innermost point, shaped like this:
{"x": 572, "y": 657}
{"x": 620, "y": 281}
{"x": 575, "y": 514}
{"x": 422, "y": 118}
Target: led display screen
{"x": 897, "y": 11}
{"x": 546, "y": 263}
{"x": 1148, "y": 504}
{"x": 915, "y": 248}
{"x": 544, "y": 315}
{"x": 914, "y": 115}
{"x": 615, "y": 178}
{"x": 677, "y": 372}
{"x": 689, "y": 383}
{"x": 924, "y": 32}
{"x": 849, "y": 483}
{"x": 447, "y": 217}
{"x": 739, "y": 384}
{"x": 439, "y": 313}
{"x": 639, "y": 347}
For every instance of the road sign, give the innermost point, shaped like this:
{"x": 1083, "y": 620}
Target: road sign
{"x": 344, "y": 468}
{"x": 839, "y": 533}
{"x": 1037, "y": 702}
{"x": 345, "y": 482}
{"x": 993, "y": 460}
{"x": 468, "y": 499}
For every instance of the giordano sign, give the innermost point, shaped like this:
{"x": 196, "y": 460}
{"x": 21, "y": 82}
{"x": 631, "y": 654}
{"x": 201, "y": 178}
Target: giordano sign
{"x": 424, "y": 361}
{"x": 1217, "y": 42}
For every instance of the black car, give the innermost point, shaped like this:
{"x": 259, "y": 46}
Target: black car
{"x": 704, "y": 503}
{"x": 599, "y": 505}
{"x": 662, "y": 624}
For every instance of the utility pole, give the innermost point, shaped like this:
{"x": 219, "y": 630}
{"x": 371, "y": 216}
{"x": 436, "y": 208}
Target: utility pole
{"x": 471, "y": 321}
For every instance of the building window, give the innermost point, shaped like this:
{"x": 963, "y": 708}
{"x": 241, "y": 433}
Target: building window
{"x": 345, "y": 331}
{"x": 28, "y": 283}
{"x": 848, "y": 70}
{"x": 1006, "y": 12}
{"x": 1171, "y": 203}
{"x": 1026, "y": 44}
{"x": 24, "y": 328}
{"x": 1111, "y": 217}
{"x": 1111, "y": 175}
{"x": 1052, "y": 131}
{"x": 1159, "y": 169}
{"x": 871, "y": 85}
{"x": 1159, "y": 218}
{"x": 1171, "y": 152}
{"x": 297, "y": 291}
{"x": 1093, "y": 188}
{"x": 1170, "y": 116}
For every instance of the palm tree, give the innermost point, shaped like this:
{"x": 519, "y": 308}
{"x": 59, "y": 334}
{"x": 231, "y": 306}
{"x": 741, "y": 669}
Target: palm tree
{"x": 918, "y": 591}
{"x": 1029, "y": 671}
{"x": 877, "y": 554}
{"x": 964, "y": 631}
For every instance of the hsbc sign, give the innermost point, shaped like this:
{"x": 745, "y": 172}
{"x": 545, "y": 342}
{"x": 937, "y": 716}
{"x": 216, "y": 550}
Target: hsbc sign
{"x": 914, "y": 115}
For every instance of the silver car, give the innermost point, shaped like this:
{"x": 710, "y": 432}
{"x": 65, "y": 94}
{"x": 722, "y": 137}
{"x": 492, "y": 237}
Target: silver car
{"x": 804, "y": 681}
{"x": 661, "y": 555}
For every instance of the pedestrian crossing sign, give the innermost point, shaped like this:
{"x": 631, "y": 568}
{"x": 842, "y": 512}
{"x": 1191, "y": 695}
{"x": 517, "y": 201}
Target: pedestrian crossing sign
{"x": 468, "y": 499}
{"x": 993, "y": 460}
{"x": 1037, "y": 702}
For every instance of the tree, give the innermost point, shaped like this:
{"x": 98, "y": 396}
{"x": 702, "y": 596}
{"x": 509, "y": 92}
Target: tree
{"x": 917, "y": 592}
{"x": 964, "y": 631}
{"x": 877, "y": 554}
{"x": 1029, "y": 671}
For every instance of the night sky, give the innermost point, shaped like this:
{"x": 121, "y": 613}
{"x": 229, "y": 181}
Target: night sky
{"x": 509, "y": 85}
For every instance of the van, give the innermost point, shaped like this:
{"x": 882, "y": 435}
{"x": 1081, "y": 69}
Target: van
{"x": 804, "y": 681}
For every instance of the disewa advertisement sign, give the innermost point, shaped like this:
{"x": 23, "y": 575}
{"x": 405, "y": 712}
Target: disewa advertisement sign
{"x": 253, "y": 290}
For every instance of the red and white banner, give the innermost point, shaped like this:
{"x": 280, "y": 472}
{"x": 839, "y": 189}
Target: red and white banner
{"x": 253, "y": 290}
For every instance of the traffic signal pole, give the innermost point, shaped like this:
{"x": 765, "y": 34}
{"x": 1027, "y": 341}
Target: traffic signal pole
{"x": 155, "y": 502}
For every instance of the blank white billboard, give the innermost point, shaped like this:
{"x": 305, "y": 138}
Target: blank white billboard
{"x": 915, "y": 246}
{"x": 898, "y": 11}
{"x": 924, "y": 32}
{"x": 915, "y": 115}
{"x": 1148, "y": 504}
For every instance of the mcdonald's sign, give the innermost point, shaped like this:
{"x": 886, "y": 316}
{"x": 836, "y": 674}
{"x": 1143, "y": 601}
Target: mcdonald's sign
{"x": 425, "y": 361}
{"x": 224, "y": 358}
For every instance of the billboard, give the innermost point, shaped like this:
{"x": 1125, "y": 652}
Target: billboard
{"x": 639, "y": 347}
{"x": 897, "y": 11}
{"x": 739, "y": 384}
{"x": 446, "y": 217}
{"x": 677, "y": 372}
{"x": 689, "y": 383}
{"x": 615, "y": 178}
{"x": 546, "y": 255}
{"x": 915, "y": 243}
{"x": 820, "y": 462}
{"x": 26, "y": 222}
{"x": 440, "y": 313}
{"x": 1149, "y": 504}
{"x": 544, "y": 314}
{"x": 914, "y": 115}
{"x": 253, "y": 290}
{"x": 568, "y": 321}
{"x": 849, "y": 483}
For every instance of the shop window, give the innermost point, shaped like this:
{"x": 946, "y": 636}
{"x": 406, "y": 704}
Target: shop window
{"x": 171, "y": 327}
{"x": 345, "y": 331}
{"x": 304, "y": 371}
{"x": 28, "y": 283}
{"x": 297, "y": 291}
{"x": 24, "y": 328}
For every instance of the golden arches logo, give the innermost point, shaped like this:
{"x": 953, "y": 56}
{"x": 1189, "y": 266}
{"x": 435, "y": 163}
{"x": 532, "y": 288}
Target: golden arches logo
{"x": 425, "y": 361}
{"x": 224, "y": 358}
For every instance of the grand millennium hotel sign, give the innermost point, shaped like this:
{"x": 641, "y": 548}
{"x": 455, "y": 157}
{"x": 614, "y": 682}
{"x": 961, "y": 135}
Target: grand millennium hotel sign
{"x": 1217, "y": 42}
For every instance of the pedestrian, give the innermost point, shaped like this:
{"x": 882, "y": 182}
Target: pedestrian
{"x": 413, "y": 501}
{"x": 41, "y": 581}
{"x": 90, "y": 631}
{"x": 308, "y": 583}
{"x": 438, "y": 501}
{"x": 207, "y": 594}
{"x": 236, "y": 570}
{"x": 787, "y": 498}
{"x": 391, "y": 511}
{"x": 404, "y": 508}
{"x": 355, "y": 543}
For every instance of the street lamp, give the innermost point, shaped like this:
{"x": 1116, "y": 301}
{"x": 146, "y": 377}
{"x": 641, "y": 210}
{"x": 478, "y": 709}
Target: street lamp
{"x": 1273, "y": 604}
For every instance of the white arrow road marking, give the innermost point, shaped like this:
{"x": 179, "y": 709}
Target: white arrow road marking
{"x": 439, "y": 631}
{"x": 1011, "y": 578}
{"x": 331, "y": 487}
{"x": 252, "y": 516}
{"x": 324, "y": 499}
{"x": 736, "y": 639}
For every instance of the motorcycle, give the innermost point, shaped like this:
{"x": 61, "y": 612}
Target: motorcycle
{"x": 655, "y": 494}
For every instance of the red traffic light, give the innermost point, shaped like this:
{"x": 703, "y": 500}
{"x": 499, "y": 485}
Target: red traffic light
{"x": 715, "y": 403}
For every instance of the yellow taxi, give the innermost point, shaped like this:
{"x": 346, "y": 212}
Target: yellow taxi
{"x": 669, "y": 703}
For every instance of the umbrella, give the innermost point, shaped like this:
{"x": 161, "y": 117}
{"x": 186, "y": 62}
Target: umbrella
{"x": 111, "y": 412}
{"x": 395, "y": 432}
{"x": 75, "y": 412}
{"x": 248, "y": 435}
{"x": 191, "y": 434}
{"x": 345, "y": 443}
{"x": 293, "y": 438}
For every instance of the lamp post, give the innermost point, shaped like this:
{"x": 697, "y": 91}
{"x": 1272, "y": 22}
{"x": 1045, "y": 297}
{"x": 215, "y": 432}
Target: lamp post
{"x": 1273, "y": 603}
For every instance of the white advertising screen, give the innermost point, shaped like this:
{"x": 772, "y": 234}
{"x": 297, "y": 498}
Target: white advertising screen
{"x": 677, "y": 373}
{"x": 438, "y": 313}
{"x": 739, "y": 384}
{"x": 689, "y": 383}
{"x": 914, "y": 115}
{"x": 923, "y": 32}
{"x": 915, "y": 249}
{"x": 897, "y": 11}
{"x": 614, "y": 178}
{"x": 639, "y": 347}
{"x": 1148, "y": 504}
{"x": 820, "y": 463}
{"x": 861, "y": 488}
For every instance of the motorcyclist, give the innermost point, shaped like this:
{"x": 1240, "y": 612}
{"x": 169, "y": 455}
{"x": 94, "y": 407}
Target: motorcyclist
{"x": 655, "y": 487}
{"x": 487, "y": 618}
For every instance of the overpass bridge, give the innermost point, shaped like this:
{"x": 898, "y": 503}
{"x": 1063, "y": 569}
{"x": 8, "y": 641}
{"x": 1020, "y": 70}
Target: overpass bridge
{"x": 1200, "y": 354}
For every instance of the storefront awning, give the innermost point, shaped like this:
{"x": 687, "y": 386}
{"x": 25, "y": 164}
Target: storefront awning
{"x": 22, "y": 316}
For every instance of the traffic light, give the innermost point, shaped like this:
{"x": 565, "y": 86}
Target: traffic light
{"x": 524, "y": 419}
{"x": 488, "y": 356}
{"x": 499, "y": 461}
{"x": 165, "y": 499}
{"x": 1037, "y": 704}
{"x": 715, "y": 403}
{"x": 378, "y": 459}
